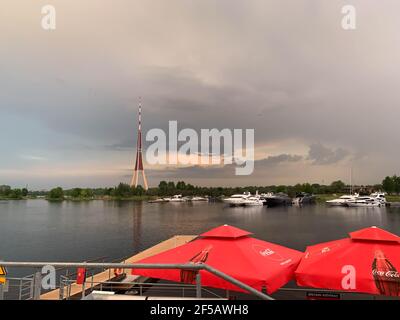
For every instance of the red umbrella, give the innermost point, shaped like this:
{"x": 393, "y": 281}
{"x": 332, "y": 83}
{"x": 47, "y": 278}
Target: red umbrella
{"x": 366, "y": 262}
{"x": 230, "y": 250}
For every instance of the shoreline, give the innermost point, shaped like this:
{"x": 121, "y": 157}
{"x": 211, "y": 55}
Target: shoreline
{"x": 320, "y": 198}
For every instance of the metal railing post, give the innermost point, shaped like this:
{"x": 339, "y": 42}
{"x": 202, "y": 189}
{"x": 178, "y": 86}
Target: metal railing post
{"x": 37, "y": 283}
{"x": 61, "y": 289}
{"x": 198, "y": 285}
{"x": 1, "y": 291}
{"x": 20, "y": 290}
{"x": 83, "y": 289}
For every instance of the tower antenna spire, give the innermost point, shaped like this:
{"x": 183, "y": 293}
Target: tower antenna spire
{"x": 139, "y": 157}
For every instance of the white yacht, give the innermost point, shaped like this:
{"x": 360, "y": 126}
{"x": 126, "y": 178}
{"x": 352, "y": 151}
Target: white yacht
{"x": 341, "y": 201}
{"x": 253, "y": 201}
{"x": 364, "y": 201}
{"x": 175, "y": 198}
{"x": 380, "y": 196}
{"x": 199, "y": 199}
{"x": 237, "y": 199}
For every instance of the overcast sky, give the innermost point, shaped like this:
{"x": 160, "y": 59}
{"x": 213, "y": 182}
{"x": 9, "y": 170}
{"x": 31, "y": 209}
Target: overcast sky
{"x": 321, "y": 99}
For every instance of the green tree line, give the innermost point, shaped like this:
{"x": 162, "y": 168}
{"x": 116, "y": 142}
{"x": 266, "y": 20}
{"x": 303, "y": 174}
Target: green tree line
{"x": 6, "y": 192}
{"x": 391, "y": 184}
{"x": 169, "y": 188}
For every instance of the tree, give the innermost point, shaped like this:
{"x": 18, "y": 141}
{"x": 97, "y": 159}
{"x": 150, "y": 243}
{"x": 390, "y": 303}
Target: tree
{"x": 163, "y": 188}
{"x": 138, "y": 191}
{"x": 316, "y": 188}
{"x": 396, "y": 182}
{"x": 5, "y": 190}
{"x": 15, "y": 194}
{"x": 388, "y": 184}
{"x": 171, "y": 185}
{"x": 123, "y": 190}
{"x": 307, "y": 188}
{"x": 281, "y": 188}
{"x": 76, "y": 192}
{"x": 337, "y": 186}
{"x": 181, "y": 185}
{"x": 86, "y": 193}
{"x": 56, "y": 194}
{"x": 171, "y": 188}
{"x": 24, "y": 192}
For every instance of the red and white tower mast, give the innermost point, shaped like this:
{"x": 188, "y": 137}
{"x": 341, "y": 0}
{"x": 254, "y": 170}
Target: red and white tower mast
{"x": 139, "y": 158}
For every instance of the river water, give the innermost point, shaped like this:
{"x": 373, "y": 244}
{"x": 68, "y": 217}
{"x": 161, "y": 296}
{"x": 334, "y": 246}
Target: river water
{"x": 37, "y": 230}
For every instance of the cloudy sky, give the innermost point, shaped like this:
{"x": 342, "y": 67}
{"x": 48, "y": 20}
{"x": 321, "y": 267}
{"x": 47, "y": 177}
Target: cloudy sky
{"x": 320, "y": 98}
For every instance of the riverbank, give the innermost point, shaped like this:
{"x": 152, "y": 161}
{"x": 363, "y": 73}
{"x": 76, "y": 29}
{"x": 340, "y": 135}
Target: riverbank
{"x": 104, "y": 198}
{"x": 17, "y": 198}
{"x": 320, "y": 198}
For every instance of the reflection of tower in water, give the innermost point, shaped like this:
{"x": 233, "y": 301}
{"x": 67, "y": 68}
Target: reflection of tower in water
{"x": 137, "y": 226}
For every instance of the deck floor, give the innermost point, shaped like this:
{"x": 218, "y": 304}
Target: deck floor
{"x": 109, "y": 274}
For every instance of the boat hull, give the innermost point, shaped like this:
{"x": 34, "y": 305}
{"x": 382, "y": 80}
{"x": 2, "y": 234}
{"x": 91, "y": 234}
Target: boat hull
{"x": 234, "y": 203}
{"x": 364, "y": 205}
{"x": 253, "y": 204}
{"x": 336, "y": 203}
{"x": 274, "y": 202}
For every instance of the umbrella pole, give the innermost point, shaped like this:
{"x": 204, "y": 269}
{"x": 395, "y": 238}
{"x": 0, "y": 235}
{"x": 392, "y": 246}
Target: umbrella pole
{"x": 198, "y": 285}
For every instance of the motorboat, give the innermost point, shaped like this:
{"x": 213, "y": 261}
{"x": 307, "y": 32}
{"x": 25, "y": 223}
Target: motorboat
{"x": 365, "y": 201}
{"x": 264, "y": 196}
{"x": 341, "y": 201}
{"x": 176, "y": 198}
{"x": 253, "y": 201}
{"x": 237, "y": 199}
{"x": 303, "y": 198}
{"x": 199, "y": 199}
{"x": 278, "y": 199}
{"x": 380, "y": 196}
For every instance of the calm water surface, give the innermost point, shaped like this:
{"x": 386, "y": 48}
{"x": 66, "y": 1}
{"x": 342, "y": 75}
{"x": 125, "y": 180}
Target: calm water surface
{"x": 37, "y": 230}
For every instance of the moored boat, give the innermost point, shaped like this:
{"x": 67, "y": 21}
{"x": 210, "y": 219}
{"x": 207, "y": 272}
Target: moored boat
{"x": 380, "y": 196}
{"x": 199, "y": 199}
{"x": 278, "y": 199}
{"x": 341, "y": 201}
{"x": 365, "y": 201}
{"x": 253, "y": 201}
{"x": 303, "y": 198}
{"x": 176, "y": 198}
{"x": 237, "y": 199}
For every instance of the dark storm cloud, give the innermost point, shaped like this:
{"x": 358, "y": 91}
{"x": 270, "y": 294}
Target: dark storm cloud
{"x": 226, "y": 171}
{"x": 321, "y": 155}
{"x": 274, "y": 160}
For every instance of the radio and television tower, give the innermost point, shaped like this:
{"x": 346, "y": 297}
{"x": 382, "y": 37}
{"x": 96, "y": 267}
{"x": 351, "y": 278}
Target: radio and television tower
{"x": 139, "y": 159}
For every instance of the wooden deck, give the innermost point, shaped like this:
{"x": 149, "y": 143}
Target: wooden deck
{"x": 109, "y": 274}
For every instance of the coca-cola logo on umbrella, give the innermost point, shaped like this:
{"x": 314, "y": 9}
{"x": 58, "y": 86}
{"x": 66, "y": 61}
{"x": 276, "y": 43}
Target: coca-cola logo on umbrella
{"x": 270, "y": 254}
{"x": 386, "y": 277}
{"x": 322, "y": 251}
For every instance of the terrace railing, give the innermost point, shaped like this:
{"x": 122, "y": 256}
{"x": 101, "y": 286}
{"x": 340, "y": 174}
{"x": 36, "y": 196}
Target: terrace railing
{"x": 65, "y": 283}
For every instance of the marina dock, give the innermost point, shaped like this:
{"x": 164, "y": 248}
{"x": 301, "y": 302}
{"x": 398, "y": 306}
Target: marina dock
{"x": 107, "y": 275}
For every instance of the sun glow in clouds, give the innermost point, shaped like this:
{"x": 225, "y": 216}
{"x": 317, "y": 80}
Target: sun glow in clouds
{"x": 188, "y": 152}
